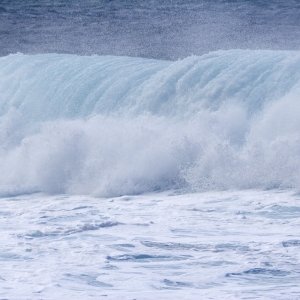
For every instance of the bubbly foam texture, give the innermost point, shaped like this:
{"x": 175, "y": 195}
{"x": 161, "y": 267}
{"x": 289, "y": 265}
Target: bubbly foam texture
{"x": 114, "y": 125}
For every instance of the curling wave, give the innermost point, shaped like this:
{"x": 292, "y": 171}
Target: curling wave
{"x": 108, "y": 126}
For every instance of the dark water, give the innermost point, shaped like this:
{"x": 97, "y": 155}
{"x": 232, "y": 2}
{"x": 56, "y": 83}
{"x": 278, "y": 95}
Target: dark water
{"x": 155, "y": 29}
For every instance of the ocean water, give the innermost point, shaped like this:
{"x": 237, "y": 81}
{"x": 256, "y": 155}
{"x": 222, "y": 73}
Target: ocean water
{"x": 149, "y": 149}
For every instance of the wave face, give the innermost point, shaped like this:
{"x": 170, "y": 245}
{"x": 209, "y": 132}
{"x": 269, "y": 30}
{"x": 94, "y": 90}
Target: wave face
{"x": 107, "y": 126}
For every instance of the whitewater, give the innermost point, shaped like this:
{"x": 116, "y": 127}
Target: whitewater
{"x": 140, "y": 178}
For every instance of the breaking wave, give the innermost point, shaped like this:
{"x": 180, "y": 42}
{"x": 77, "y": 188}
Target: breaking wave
{"x": 107, "y": 126}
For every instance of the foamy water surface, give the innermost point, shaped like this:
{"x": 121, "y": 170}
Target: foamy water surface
{"x": 230, "y": 245}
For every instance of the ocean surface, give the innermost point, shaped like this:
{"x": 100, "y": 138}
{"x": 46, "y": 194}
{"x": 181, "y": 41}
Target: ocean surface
{"x": 149, "y": 149}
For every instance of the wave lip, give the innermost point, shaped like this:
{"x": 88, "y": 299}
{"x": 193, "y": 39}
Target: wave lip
{"x": 51, "y": 86}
